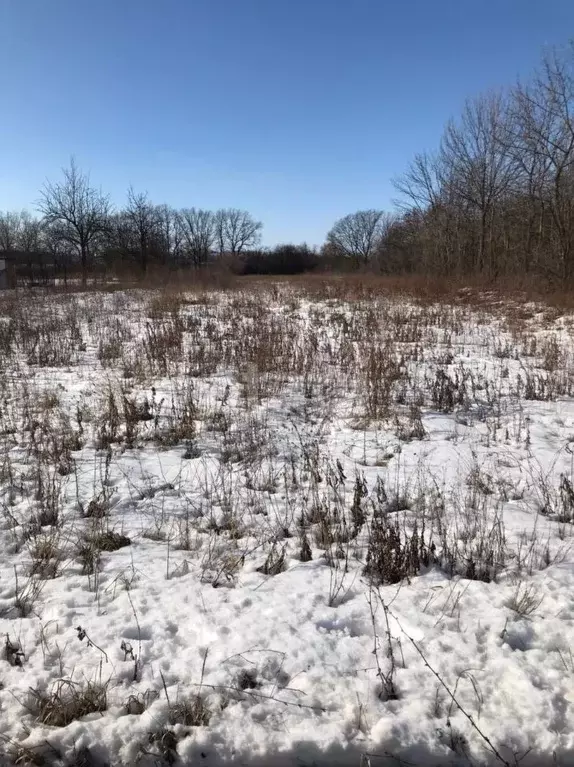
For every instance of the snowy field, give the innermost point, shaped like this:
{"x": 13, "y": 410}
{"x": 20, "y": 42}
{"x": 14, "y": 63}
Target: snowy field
{"x": 285, "y": 526}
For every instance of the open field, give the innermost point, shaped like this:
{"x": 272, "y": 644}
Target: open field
{"x": 285, "y": 524}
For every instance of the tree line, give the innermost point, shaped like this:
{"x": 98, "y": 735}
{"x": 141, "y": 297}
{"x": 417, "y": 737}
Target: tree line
{"x": 78, "y": 226}
{"x": 495, "y": 198}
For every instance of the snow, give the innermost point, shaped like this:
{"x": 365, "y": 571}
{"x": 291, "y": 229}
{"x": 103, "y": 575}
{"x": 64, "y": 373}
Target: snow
{"x": 290, "y": 665}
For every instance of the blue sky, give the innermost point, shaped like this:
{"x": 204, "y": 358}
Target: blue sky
{"x": 298, "y": 110}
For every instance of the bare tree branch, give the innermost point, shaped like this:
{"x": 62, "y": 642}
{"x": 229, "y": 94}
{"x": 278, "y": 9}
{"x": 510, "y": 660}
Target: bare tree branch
{"x": 79, "y": 211}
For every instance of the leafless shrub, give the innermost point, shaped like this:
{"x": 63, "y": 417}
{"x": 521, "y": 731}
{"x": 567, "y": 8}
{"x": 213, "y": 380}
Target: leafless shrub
{"x": 566, "y": 512}
{"x": 475, "y": 546}
{"x": 393, "y": 555}
{"x": 54, "y": 345}
{"x": 166, "y": 303}
{"x": 412, "y": 428}
{"x": 88, "y": 555}
{"x": 99, "y": 504}
{"x": 358, "y": 512}
{"x": 163, "y": 345}
{"x": 448, "y": 391}
{"x": 525, "y": 600}
{"x": 46, "y": 555}
{"x": 387, "y": 678}
{"x": 111, "y": 343}
{"x": 109, "y": 422}
{"x": 186, "y": 534}
{"x": 305, "y": 553}
{"x": 180, "y": 423}
{"x": 558, "y": 504}
{"x": 109, "y": 352}
{"x": 552, "y": 355}
{"x": 380, "y": 372}
{"x": 90, "y": 546}
{"x": 97, "y": 507}
{"x": 48, "y": 495}
{"x": 221, "y": 563}
{"x": 275, "y": 561}
{"x": 110, "y": 540}
{"x": 26, "y": 594}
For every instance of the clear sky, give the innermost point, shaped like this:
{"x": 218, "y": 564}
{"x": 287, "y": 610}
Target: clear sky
{"x": 298, "y": 110}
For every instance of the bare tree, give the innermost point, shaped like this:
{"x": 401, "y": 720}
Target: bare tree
{"x": 30, "y": 233}
{"x": 197, "y": 231}
{"x": 499, "y": 195}
{"x": 421, "y": 186}
{"x": 430, "y": 215}
{"x": 79, "y": 212}
{"x": 169, "y": 233}
{"x": 61, "y": 250}
{"x": 480, "y": 169}
{"x": 9, "y": 230}
{"x": 236, "y": 230}
{"x": 357, "y": 235}
{"x": 143, "y": 219}
{"x": 543, "y": 130}
{"x": 19, "y": 231}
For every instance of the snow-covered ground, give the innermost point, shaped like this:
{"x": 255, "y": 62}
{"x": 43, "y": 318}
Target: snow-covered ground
{"x": 285, "y": 526}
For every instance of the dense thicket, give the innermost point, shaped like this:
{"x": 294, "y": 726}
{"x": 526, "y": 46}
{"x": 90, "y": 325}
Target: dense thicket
{"x": 495, "y": 198}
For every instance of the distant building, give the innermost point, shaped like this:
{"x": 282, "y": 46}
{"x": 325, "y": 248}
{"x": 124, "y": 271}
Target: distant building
{"x": 26, "y": 269}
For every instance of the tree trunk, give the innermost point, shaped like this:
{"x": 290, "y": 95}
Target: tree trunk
{"x": 84, "y": 258}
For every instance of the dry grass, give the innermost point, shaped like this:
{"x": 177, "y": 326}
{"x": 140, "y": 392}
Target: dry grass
{"x": 191, "y": 713}
{"x": 67, "y": 702}
{"x": 243, "y": 386}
